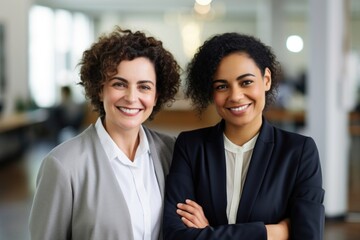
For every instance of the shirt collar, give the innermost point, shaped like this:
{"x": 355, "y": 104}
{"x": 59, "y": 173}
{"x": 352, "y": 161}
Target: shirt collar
{"x": 249, "y": 145}
{"x": 144, "y": 144}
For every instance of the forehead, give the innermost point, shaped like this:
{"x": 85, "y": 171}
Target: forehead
{"x": 236, "y": 63}
{"x": 136, "y": 62}
{"x": 140, "y": 68}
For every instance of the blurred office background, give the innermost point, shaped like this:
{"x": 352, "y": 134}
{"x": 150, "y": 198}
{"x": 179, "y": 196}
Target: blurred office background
{"x": 316, "y": 41}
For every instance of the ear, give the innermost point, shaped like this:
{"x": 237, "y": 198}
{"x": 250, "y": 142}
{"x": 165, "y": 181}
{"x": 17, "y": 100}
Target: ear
{"x": 267, "y": 79}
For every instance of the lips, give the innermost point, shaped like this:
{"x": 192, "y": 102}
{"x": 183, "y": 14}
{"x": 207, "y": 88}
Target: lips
{"x": 130, "y": 111}
{"x": 239, "y": 109}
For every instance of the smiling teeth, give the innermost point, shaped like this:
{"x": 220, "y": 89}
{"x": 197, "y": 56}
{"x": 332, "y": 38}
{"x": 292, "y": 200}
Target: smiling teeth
{"x": 129, "y": 111}
{"x": 239, "y": 108}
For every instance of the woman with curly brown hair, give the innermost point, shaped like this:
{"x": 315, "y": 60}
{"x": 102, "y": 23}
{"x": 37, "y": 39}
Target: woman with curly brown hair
{"x": 242, "y": 178}
{"x": 108, "y": 182}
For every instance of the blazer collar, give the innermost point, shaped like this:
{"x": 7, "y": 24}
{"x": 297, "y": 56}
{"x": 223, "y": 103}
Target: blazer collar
{"x": 158, "y": 167}
{"x": 259, "y": 162}
{"x": 91, "y": 137}
{"x": 215, "y": 154}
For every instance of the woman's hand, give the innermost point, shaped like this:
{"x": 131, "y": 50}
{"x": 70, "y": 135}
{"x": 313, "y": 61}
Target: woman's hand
{"x": 192, "y": 214}
{"x": 278, "y": 231}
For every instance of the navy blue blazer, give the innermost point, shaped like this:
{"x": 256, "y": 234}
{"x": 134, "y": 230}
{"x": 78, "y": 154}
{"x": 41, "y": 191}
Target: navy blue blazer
{"x": 283, "y": 181}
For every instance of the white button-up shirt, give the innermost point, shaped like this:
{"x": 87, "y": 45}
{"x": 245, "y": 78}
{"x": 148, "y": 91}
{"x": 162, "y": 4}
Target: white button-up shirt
{"x": 237, "y": 165}
{"x": 138, "y": 184}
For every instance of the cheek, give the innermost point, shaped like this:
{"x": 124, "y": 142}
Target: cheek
{"x": 259, "y": 92}
{"x": 110, "y": 97}
{"x": 149, "y": 100}
{"x": 259, "y": 95}
{"x": 218, "y": 99}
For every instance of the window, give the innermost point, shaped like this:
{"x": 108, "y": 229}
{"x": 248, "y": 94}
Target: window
{"x": 57, "y": 39}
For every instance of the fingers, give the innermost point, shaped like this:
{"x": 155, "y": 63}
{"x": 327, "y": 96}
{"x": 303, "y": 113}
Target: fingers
{"x": 189, "y": 215}
{"x": 188, "y": 219}
{"x": 190, "y": 206}
{"x": 192, "y": 214}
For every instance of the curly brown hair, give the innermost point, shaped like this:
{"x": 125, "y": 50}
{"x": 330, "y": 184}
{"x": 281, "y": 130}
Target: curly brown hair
{"x": 201, "y": 69}
{"x": 100, "y": 62}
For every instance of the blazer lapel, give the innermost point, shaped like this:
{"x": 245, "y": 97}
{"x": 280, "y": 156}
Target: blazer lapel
{"x": 108, "y": 175}
{"x": 215, "y": 154}
{"x": 257, "y": 170}
{"x": 158, "y": 163}
{"x": 159, "y": 171}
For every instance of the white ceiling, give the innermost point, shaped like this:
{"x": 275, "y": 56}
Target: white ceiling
{"x": 151, "y": 6}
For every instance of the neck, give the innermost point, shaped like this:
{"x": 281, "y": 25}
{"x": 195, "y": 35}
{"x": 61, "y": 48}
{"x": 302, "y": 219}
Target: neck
{"x": 127, "y": 140}
{"x": 128, "y": 143}
{"x": 240, "y": 135}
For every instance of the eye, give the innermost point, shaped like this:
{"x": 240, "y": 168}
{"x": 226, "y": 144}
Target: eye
{"x": 119, "y": 84}
{"x": 145, "y": 87}
{"x": 246, "y": 83}
{"x": 220, "y": 87}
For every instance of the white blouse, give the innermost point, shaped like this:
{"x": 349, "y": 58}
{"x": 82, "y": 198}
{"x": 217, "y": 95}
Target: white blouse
{"x": 237, "y": 165}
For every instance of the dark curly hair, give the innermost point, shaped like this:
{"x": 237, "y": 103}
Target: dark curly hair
{"x": 200, "y": 71}
{"x": 100, "y": 62}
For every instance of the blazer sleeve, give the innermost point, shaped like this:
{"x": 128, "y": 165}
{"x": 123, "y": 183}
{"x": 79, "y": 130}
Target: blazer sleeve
{"x": 307, "y": 215}
{"x": 179, "y": 186}
{"x": 50, "y": 216}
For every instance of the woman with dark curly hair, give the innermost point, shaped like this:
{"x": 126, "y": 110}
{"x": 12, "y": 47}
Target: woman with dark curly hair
{"x": 108, "y": 182}
{"x": 242, "y": 178}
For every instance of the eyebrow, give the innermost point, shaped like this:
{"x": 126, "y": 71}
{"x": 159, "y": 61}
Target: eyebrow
{"x": 238, "y": 78}
{"x": 138, "y": 82}
{"x": 245, "y": 75}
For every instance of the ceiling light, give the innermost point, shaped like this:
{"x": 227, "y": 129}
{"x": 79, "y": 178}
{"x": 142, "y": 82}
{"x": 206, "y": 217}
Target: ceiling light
{"x": 202, "y": 9}
{"x": 294, "y": 43}
{"x": 203, "y": 2}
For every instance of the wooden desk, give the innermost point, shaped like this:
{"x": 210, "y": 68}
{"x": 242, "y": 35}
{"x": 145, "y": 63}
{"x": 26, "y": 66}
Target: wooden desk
{"x": 354, "y": 123}
{"x": 278, "y": 115}
{"x": 21, "y": 120}
{"x": 14, "y": 129}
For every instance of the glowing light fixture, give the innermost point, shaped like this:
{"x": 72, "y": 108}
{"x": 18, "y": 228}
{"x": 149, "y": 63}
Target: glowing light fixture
{"x": 203, "y": 2}
{"x": 202, "y": 9}
{"x": 294, "y": 43}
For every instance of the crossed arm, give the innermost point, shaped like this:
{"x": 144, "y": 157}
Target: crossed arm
{"x": 192, "y": 215}
{"x": 292, "y": 188}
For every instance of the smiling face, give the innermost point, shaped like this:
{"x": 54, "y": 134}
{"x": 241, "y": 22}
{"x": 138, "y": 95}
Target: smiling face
{"x": 130, "y": 96}
{"x": 239, "y": 92}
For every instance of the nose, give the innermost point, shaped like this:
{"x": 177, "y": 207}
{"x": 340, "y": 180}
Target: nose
{"x": 130, "y": 95}
{"x": 236, "y": 94}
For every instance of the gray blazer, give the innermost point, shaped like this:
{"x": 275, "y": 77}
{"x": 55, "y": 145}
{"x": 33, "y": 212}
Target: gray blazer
{"x": 77, "y": 194}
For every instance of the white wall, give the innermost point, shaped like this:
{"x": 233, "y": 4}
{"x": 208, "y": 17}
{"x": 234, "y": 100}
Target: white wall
{"x": 327, "y": 115}
{"x": 14, "y": 16}
{"x": 168, "y": 28}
